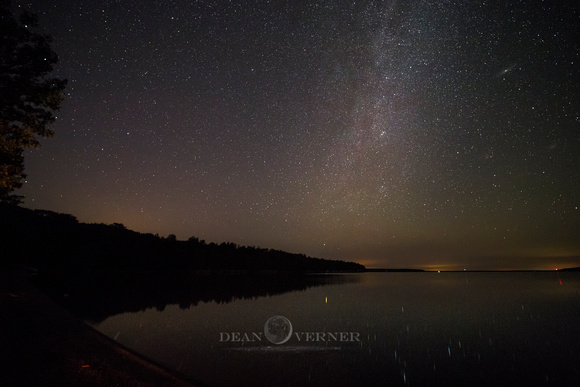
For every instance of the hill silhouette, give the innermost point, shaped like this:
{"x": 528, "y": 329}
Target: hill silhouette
{"x": 50, "y": 241}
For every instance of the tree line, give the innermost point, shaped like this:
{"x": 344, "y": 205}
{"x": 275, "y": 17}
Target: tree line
{"x": 52, "y": 241}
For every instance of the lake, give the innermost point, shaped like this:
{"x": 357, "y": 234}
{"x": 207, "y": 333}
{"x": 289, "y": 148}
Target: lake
{"x": 416, "y": 329}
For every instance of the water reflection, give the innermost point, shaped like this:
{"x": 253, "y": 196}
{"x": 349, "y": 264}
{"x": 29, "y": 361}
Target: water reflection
{"x": 422, "y": 329}
{"x": 96, "y": 297}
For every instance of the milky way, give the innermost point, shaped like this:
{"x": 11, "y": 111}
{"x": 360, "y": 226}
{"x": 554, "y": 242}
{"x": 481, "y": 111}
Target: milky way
{"x": 400, "y": 134}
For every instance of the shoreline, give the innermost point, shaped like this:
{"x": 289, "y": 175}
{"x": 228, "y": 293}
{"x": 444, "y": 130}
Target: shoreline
{"x": 43, "y": 344}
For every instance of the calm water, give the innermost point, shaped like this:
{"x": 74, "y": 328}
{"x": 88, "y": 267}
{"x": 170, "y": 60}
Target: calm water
{"x": 400, "y": 329}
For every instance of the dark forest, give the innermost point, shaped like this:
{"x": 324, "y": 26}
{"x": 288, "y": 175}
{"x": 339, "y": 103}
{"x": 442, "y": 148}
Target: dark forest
{"x": 50, "y": 241}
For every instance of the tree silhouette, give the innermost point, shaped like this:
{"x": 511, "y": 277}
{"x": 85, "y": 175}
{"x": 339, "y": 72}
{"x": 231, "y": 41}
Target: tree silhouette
{"x": 28, "y": 96}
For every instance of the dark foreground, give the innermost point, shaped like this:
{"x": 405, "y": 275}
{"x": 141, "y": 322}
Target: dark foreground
{"x": 43, "y": 345}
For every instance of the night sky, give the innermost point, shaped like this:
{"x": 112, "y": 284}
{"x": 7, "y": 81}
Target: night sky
{"x": 425, "y": 134}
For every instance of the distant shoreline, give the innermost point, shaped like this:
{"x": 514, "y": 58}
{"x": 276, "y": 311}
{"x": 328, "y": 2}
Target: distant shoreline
{"x": 568, "y": 269}
{"x": 394, "y": 271}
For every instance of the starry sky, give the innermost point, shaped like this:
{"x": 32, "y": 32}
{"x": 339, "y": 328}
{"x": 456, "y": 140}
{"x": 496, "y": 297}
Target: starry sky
{"x": 423, "y": 134}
